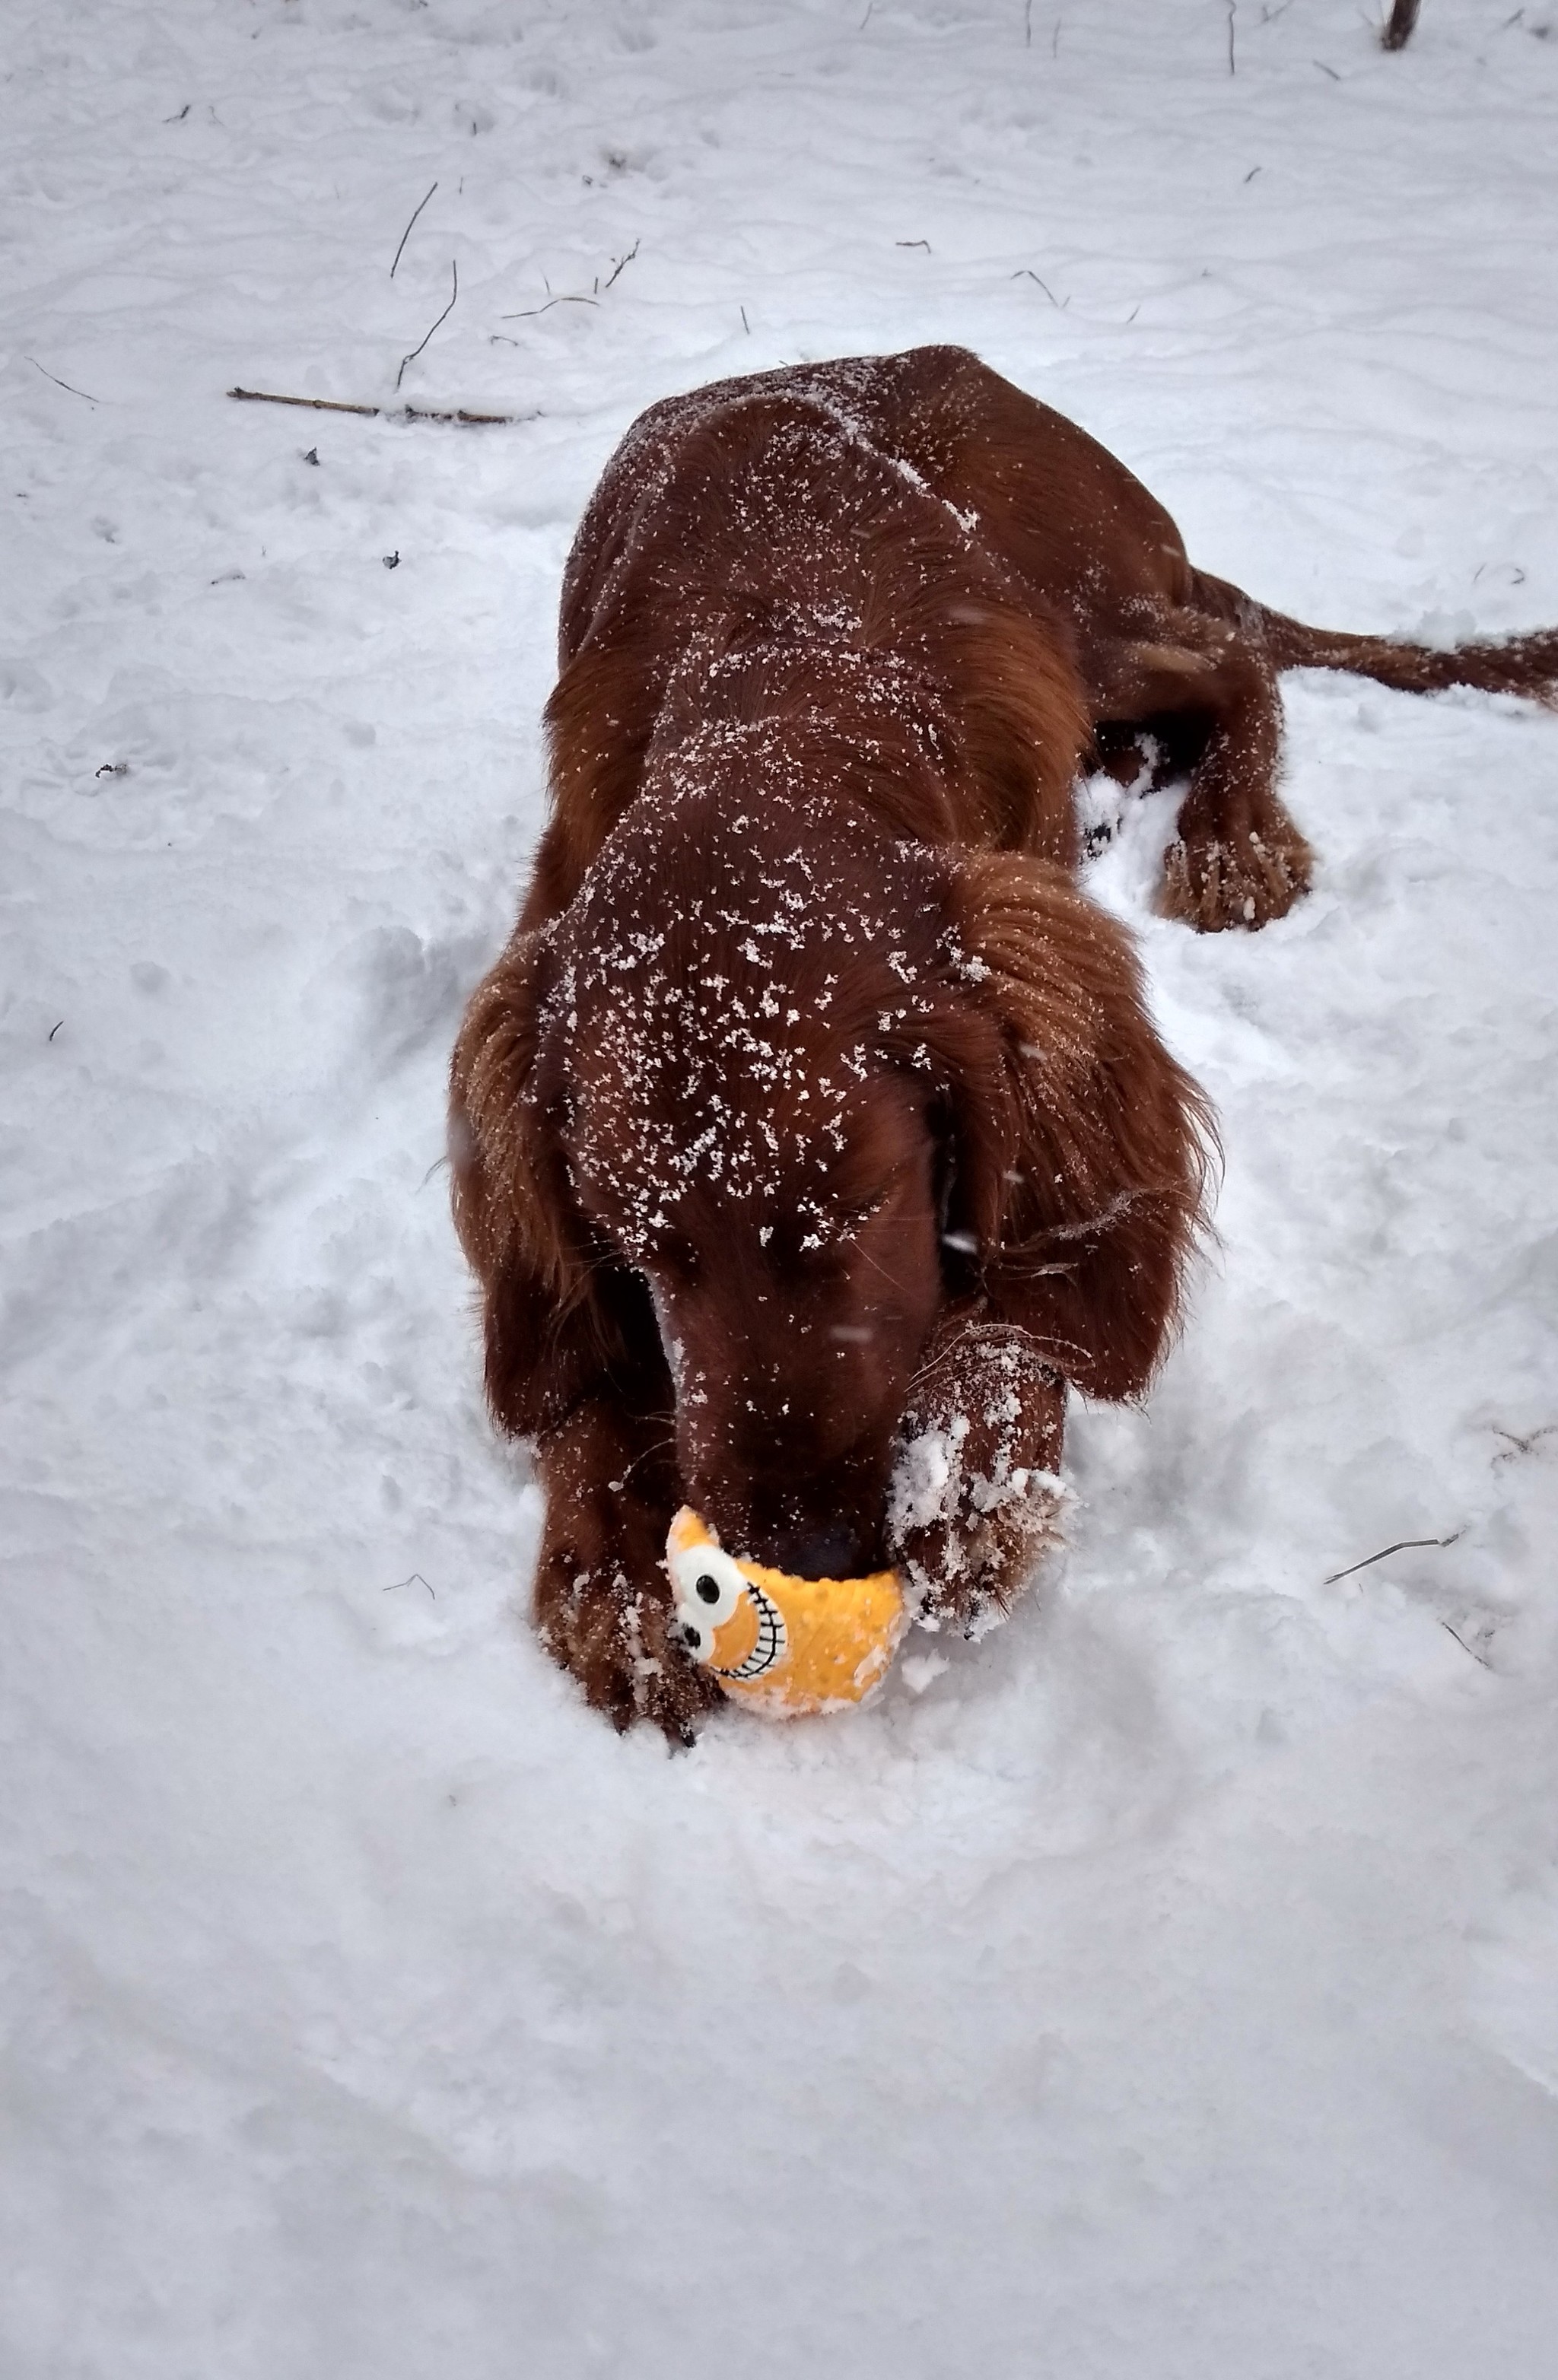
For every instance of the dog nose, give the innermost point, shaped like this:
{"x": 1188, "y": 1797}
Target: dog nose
{"x": 831, "y": 1551}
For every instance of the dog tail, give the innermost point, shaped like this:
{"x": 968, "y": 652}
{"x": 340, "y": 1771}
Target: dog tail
{"x": 1527, "y": 666}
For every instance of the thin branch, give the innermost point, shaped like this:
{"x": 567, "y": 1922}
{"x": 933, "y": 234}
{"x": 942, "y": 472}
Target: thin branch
{"x": 313, "y": 404}
{"x": 442, "y": 318}
{"x": 1518, "y": 1445}
{"x": 374, "y": 412}
{"x": 1463, "y": 1645}
{"x": 1232, "y": 10}
{"x": 1403, "y": 23}
{"x": 1400, "y": 1547}
{"x": 416, "y": 1579}
{"x": 61, "y": 383}
{"x": 526, "y": 311}
{"x": 407, "y": 232}
{"x": 1026, "y": 272}
{"x": 619, "y": 262}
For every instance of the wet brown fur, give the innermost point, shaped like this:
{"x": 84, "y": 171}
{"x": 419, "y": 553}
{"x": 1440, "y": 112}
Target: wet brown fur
{"x": 858, "y": 626}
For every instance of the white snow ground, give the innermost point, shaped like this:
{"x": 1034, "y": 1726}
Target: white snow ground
{"x": 1170, "y": 1988}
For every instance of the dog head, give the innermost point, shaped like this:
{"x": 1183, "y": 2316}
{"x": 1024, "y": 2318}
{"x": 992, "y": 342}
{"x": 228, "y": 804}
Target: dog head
{"x": 767, "y": 1104}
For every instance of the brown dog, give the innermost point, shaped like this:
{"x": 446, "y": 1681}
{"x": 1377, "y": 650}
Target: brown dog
{"x": 812, "y": 1134}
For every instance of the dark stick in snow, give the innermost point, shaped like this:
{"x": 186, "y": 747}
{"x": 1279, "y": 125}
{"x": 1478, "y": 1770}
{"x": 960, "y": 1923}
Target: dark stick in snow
{"x": 442, "y": 318}
{"x": 407, "y": 232}
{"x": 619, "y": 262}
{"x": 1463, "y": 1645}
{"x": 1401, "y": 24}
{"x": 526, "y": 311}
{"x": 373, "y": 412}
{"x": 61, "y": 383}
{"x": 1400, "y": 1547}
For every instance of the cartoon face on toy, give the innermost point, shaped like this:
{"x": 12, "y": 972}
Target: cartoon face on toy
{"x": 786, "y": 1645}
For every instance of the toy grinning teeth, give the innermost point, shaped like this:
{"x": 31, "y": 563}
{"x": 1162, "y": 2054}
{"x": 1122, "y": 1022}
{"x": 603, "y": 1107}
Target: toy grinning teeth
{"x": 785, "y": 1646}
{"x": 771, "y": 1644}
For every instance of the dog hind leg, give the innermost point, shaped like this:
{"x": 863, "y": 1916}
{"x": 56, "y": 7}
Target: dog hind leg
{"x": 1238, "y": 859}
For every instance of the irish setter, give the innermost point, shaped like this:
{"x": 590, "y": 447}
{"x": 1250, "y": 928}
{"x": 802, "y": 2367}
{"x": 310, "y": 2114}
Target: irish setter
{"x": 812, "y": 1136}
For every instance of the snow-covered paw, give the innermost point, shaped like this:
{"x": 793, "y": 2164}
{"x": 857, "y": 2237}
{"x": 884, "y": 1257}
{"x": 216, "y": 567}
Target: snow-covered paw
{"x": 1245, "y": 881}
{"x": 618, "y": 1640}
{"x": 975, "y": 1494}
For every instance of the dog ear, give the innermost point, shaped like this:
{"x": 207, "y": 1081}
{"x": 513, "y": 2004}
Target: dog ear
{"x": 514, "y": 1208}
{"x": 1082, "y": 1150}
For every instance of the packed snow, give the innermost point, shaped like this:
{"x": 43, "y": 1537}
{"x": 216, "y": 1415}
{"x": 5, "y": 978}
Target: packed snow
{"x": 1163, "y": 1986}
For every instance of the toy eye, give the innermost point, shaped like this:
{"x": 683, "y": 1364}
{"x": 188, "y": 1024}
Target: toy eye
{"x": 708, "y": 1587}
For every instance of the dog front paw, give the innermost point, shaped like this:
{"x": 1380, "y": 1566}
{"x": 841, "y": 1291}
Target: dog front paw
{"x": 1220, "y": 883}
{"x": 603, "y": 1598}
{"x": 620, "y": 1641}
{"x": 975, "y": 1495}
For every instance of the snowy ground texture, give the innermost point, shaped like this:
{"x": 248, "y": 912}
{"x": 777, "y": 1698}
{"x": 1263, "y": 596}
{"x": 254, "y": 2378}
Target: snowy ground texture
{"x": 1168, "y": 1988}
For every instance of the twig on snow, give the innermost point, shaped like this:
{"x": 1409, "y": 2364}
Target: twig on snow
{"x": 313, "y": 404}
{"x": 1400, "y": 1547}
{"x": 1463, "y": 1645}
{"x": 54, "y": 1029}
{"x": 596, "y": 296}
{"x": 1518, "y": 1445}
{"x": 373, "y": 412}
{"x": 1402, "y": 23}
{"x": 407, "y": 232}
{"x": 1325, "y": 69}
{"x": 1028, "y": 24}
{"x": 1233, "y": 11}
{"x": 744, "y": 325}
{"x": 526, "y": 311}
{"x": 61, "y": 383}
{"x": 442, "y": 318}
{"x": 913, "y": 243}
{"x": 416, "y": 1579}
{"x": 1026, "y": 272}
{"x": 619, "y": 262}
